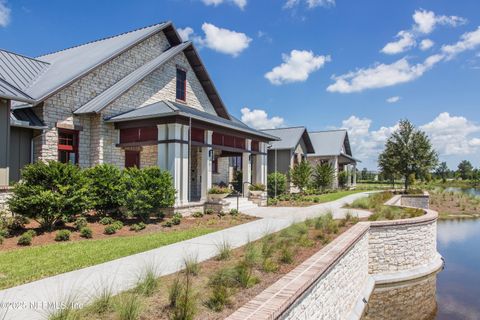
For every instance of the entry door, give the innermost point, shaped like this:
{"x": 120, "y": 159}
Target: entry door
{"x": 132, "y": 159}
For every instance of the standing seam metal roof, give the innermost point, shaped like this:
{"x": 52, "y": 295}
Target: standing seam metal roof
{"x": 290, "y": 137}
{"x": 328, "y": 143}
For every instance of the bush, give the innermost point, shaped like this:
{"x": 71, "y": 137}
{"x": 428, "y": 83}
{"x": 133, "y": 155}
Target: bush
{"x": 197, "y": 214}
{"x": 301, "y": 175}
{"x": 176, "y": 219}
{"x": 49, "y": 191}
{"x": 148, "y": 190}
{"x": 286, "y": 254}
{"x": 280, "y": 186}
{"x": 224, "y": 250}
{"x": 106, "y": 220}
{"x": 25, "y": 239}
{"x": 106, "y": 188}
{"x": 268, "y": 265}
{"x": 221, "y": 283}
{"x": 219, "y": 190}
{"x": 257, "y": 187}
{"x": 167, "y": 224}
{"x": 233, "y": 212}
{"x": 110, "y": 229}
{"x": 323, "y": 175}
{"x": 118, "y": 225}
{"x": 12, "y": 223}
{"x": 62, "y": 235}
{"x": 342, "y": 179}
{"x": 80, "y": 223}
{"x": 86, "y": 232}
{"x": 209, "y": 211}
{"x": 138, "y": 227}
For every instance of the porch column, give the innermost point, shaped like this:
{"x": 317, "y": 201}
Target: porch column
{"x": 261, "y": 164}
{"x": 173, "y": 156}
{"x": 354, "y": 174}
{"x": 335, "y": 172}
{"x": 206, "y": 166}
{"x": 349, "y": 175}
{"x": 246, "y": 167}
{"x": 4, "y": 142}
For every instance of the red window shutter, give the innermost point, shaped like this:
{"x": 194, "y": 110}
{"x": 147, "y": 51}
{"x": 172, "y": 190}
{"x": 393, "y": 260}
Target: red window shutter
{"x": 217, "y": 139}
{"x": 198, "y": 135}
{"x": 132, "y": 159}
{"x": 255, "y": 145}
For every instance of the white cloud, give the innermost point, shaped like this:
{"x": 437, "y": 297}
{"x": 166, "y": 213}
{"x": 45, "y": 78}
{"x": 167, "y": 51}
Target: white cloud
{"x": 426, "y": 21}
{"x": 382, "y": 75}
{"x": 393, "y": 99}
{"x": 296, "y": 67}
{"x": 185, "y": 33}
{"x": 468, "y": 41}
{"x": 426, "y": 44}
{"x": 223, "y": 40}
{"x": 475, "y": 142}
{"x": 405, "y": 41}
{"x": 239, "y": 3}
{"x": 310, "y": 3}
{"x": 259, "y": 119}
{"x": 4, "y": 14}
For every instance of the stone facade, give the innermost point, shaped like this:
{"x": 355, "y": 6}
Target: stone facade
{"x": 4, "y": 195}
{"x": 417, "y": 201}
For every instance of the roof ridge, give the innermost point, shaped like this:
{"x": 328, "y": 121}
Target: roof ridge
{"x": 281, "y": 128}
{"x": 333, "y": 130}
{"x": 105, "y": 38}
{"x": 23, "y": 56}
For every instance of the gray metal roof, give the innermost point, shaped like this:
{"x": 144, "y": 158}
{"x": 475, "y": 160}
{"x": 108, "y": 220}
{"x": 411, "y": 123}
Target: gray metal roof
{"x": 168, "y": 108}
{"x": 289, "y": 138}
{"x": 102, "y": 100}
{"x": 330, "y": 143}
{"x": 7, "y": 91}
{"x": 18, "y": 70}
{"x": 25, "y": 117}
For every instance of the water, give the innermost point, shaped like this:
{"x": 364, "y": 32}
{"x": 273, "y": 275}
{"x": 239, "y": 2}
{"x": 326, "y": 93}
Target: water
{"x": 452, "y": 294}
{"x": 469, "y": 191}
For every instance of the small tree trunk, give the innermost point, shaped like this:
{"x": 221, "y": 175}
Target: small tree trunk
{"x": 406, "y": 183}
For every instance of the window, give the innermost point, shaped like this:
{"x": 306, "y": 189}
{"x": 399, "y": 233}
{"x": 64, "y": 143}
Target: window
{"x": 181, "y": 84}
{"x": 68, "y": 146}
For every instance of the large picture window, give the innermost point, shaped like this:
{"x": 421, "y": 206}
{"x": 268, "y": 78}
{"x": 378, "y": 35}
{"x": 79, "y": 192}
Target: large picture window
{"x": 68, "y": 146}
{"x": 181, "y": 84}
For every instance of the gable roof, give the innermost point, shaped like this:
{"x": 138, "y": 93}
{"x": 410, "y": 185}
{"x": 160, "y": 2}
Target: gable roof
{"x": 290, "y": 138}
{"x": 330, "y": 143}
{"x": 9, "y": 92}
{"x": 167, "y": 108}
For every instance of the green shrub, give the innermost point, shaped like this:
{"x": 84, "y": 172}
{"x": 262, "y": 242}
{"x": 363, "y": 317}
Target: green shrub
{"x": 148, "y": 282}
{"x": 103, "y": 302}
{"x": 221, "y": 283}
{"x": 106, "y": 188}
{"x": 106, "y": 220}
{"x": 167, "y": 224}
{"x": 129, "y": 306}
{"x": 257, "y": 187}
{"x": 219, "y": 190}
{"x": 25, "y": 239}
{"x": 234, "y": 212}
{"x": 148, "y": 190}
{"x": 185, "y": 306}
{"x": 224, "y": 250}
{"x": 209, "y": 211}
{"x": 286, "y": 254}
{"x": 191, "y": 265}
{"x": 221, "y": 214}
{"x": 323, "y": 175}
{"x": 269, "y": 265}
{"x": 86, "y": 232}
{"x": 31, "y": 232}
{"x": 49, "y": 191}
{"x": 197, "y": 214}
{"x": 138, "y": 226}
{"x": 244, "y": 275}
{"x": 62, "y": 235}
{"x": 12, "y": 223}
{"x": 110, "y": 229}
{"x": 342, "y": 179}
{"x": 176, "y": 219}
{"x": 118, "y": 225}
{"x": 276, "y": 183}
{"x": 80, "y": 223}
{"x": 301, "y": 174}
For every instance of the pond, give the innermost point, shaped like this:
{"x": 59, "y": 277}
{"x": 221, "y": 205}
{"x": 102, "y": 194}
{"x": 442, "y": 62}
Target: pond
{"x": 469, "y": 191}
{"x": 453, "y": 293}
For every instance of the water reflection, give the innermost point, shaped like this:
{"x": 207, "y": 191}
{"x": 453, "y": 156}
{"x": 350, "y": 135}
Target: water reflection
{"x": 452, "y": 294}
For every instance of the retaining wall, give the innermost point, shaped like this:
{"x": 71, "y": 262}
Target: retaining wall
{"x": 337, "y": 281}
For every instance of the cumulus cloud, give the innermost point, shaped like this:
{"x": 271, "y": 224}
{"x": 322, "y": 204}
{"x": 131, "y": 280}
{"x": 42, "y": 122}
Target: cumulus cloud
{"x": 4, "y": 14}
{"x": 239, "y": 3}
{"x": 296, "y": 67}
{"x": 426, "y": 21}
{"x": 450, "y": 134}
{"x": 382, "y": 75}
{"x": 185, "y": 33}
{"x": 259, "y": 119}
{"x": 310, "y": 3}
{"x": 393, "y": 99}
{"x": 405, "y": 40}
{"x": 468, "y": 41}
{"x": 223, "y": 40}
{"x": 426, "y": 44}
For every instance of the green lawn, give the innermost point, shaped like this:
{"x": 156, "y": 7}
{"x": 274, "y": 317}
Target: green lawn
{"x": 327, "y": 197}
{"x": 29, "y": 264}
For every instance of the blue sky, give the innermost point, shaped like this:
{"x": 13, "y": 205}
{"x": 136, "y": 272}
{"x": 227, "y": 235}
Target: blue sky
{"x": 318, "y": 63}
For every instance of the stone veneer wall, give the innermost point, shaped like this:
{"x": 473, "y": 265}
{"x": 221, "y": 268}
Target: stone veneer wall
{"x": 4, "y": 195}
{"x": 417, "y": 201}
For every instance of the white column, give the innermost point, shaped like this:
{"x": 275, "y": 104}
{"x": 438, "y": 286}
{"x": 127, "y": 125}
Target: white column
{"x": 246, "y": 167}
{"x": 206, "y": 165}
{"x": 335, "y": 174}
{"x": 261, "y": 165}
{"x": 354, "y": 174}
{"x": 349, "y": 175}
{"x": 173, "y": 156}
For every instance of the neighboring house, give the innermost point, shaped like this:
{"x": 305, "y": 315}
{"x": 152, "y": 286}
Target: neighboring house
{"x": 293, "y": 147}
{"x": 140, "y": 98}
{"x": 333, "y": 147}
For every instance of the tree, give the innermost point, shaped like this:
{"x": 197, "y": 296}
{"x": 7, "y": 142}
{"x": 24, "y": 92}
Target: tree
{"x": 465, "y": 170}
{"x": 442, "y": 171}
{"x": 323, "y": 175}
{"x": 342, "y": 178}
{"x": 106, "y": 188}
{"x": 364, "y": 174}
{"x": 408, "y": 151}
{"x": 276, "y": 184}
{"x": 300, "y": 175}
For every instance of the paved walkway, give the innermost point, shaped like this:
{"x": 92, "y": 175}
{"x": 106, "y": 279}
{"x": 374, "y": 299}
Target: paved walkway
{"x": 34, "y": 300}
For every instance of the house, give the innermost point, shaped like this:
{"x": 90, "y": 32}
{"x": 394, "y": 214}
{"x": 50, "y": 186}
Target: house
{"x": 333, "y": 146}
{"x": 141, "y": 98}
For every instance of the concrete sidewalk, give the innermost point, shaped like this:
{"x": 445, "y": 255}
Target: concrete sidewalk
{"x": 35, "y": 300}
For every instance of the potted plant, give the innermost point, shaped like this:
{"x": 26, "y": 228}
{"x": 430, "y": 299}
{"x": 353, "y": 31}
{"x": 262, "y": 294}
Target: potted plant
{"x": 218, "y": 193}
{"x": 257, "y": 189}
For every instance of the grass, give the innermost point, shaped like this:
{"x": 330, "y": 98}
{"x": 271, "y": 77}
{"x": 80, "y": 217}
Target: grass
{"x": 29, "y": 264}
{"x": 327, "y": 197}
{"x": 306, "y": 200}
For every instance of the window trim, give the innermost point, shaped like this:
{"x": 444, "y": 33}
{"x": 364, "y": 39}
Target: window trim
{"x": 179, "y": 68}
{"x": 69, "y": 148}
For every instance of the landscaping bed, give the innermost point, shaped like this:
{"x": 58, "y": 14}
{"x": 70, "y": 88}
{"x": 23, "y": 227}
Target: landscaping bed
{"x": 375, "y": 203}
{"x": 452, "y": 205}
{"x": 50, "y": 257}
{"x": 216, "y": 288}
{"x": 298, "y": 200}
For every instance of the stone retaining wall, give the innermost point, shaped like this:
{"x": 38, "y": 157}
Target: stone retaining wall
{"x": 417, "y": 201}
{"x": 337, "y": 281}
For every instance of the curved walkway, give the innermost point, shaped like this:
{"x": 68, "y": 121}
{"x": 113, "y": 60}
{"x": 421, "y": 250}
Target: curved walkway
{"x": 35, "y": 300}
